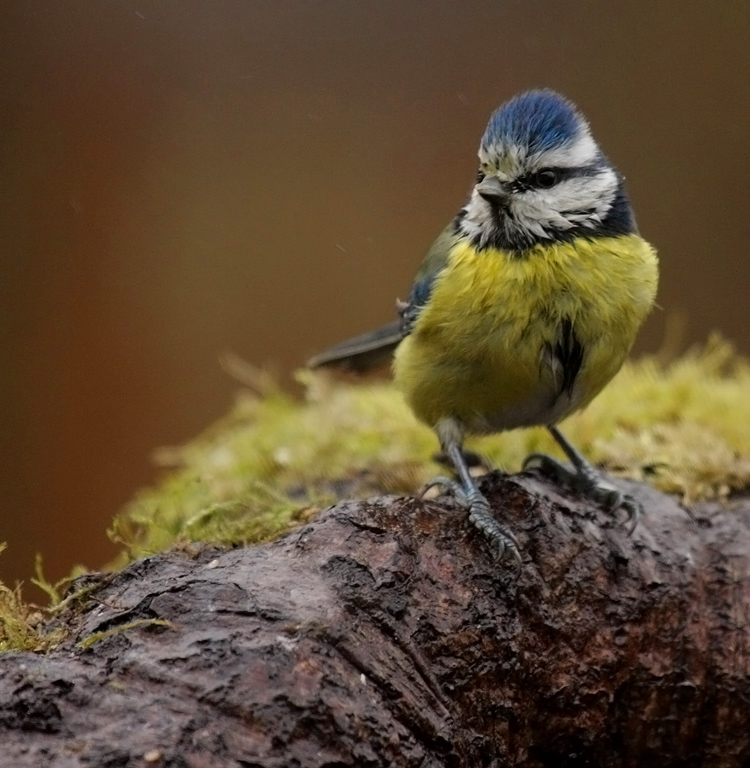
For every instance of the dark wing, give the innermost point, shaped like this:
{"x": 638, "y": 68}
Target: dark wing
{"x": 362, "y": 353}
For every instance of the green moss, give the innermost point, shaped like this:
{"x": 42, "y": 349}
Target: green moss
{"x": 275, "y": 461}
{"x": 87, "y": 642}
{"x": 22, "y": 624}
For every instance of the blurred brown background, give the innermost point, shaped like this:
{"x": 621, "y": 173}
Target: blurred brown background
{"x": 178, "y": 178}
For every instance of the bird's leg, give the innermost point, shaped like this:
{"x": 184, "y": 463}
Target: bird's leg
{"x": 472, "y": 459}
{"x": 585, "y": 479}
{"x": 471, "y": 498}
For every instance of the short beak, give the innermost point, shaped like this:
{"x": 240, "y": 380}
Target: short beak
{"x": 492, "y": 190}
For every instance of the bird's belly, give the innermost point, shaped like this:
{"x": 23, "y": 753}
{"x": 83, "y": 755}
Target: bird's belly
{"x": 546, "y": 405}
{"x": 498, "y": 389}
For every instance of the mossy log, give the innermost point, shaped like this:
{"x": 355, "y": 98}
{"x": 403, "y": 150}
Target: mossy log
{"x": 383, "y": 633}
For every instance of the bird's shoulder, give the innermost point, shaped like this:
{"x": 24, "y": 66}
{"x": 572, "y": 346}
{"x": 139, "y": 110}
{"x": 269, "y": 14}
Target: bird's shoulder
{"x": 434, "y": 262}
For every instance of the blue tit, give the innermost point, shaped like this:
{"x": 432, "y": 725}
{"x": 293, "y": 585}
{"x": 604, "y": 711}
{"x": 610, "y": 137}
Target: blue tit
{"x": 525, "y": 306}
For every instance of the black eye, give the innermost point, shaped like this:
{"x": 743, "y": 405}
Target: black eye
{"x": 545, "y": 178}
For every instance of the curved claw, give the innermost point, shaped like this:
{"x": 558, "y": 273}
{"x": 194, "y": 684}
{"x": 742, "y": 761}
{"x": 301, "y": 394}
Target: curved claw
{"x": 633, "y": 512}
{"x": 614, "y": 499}
{"x": 554, "y": 469}
{"x": 503, "y": 542}
{"x": 585, "y": 479}
{"x": 451, "y": 486}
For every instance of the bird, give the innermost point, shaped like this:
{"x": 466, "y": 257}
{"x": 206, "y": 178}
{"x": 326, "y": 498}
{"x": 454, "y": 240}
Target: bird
{"x": 525, "y": 306}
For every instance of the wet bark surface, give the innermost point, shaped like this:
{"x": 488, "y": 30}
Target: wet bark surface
{"x": 383, "y": 633}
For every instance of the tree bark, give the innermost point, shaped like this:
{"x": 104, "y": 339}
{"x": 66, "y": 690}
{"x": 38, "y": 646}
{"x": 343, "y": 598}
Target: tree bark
{"x": 383, "y": 633}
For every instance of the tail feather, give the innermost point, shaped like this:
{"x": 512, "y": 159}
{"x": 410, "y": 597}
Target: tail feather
{"x": 362, "y": 353}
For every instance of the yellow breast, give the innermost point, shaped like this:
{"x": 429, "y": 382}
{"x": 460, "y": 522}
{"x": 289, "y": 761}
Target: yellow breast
{"x": 477, "y": 351}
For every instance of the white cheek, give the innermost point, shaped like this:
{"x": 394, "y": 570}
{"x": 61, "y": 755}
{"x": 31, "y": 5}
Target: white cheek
{"x": 533, "y": 212}
{"x": 585, "y": 199}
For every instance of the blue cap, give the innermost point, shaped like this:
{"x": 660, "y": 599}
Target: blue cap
{"x": 537, "y": 120}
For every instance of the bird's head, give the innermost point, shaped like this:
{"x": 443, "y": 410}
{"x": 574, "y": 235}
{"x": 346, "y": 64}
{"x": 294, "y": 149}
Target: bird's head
{"x": 542, "y": 177}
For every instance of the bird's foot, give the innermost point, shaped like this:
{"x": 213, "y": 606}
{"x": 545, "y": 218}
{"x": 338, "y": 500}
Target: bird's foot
{"x": 500, "y": 539}
{"x": 587, "y": 481}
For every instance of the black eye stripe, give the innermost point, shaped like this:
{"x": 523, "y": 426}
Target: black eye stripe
{"x": 530, "y": 180}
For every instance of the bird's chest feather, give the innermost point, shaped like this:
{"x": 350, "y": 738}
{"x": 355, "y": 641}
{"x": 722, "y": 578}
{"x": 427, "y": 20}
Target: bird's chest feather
{"x": 559, "y": 321}
{"x": 488, "y": 302}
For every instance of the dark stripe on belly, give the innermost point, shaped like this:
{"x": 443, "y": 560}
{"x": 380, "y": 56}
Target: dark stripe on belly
{"x": 569, "y": 351}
